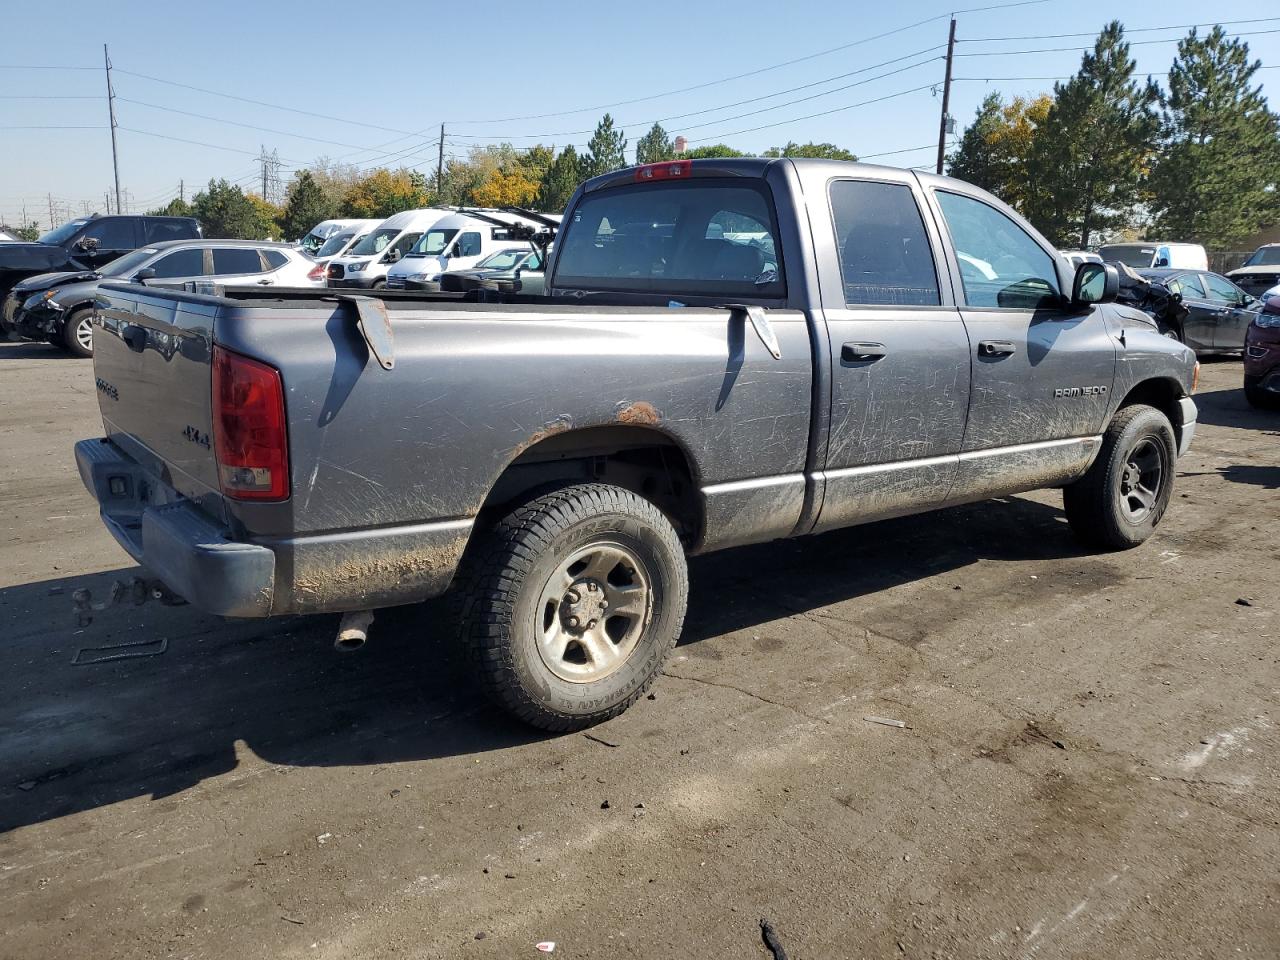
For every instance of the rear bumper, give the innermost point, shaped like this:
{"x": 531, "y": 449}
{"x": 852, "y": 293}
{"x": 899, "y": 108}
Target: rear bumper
{"x": 198, "y": 558}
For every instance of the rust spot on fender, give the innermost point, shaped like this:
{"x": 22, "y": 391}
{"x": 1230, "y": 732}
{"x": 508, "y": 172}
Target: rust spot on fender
{"x": 640, "y": 413}
{"x": 558, "y": 425}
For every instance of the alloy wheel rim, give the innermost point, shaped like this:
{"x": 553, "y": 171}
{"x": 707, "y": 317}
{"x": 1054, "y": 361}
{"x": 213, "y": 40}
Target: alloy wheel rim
{"x": 592, "y": 612}
{"x": 84, "y": 333}
{"x": 1141, "y": 480}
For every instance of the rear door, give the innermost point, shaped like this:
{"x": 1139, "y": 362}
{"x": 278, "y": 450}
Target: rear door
{"x": 177, "y": 267}
{"x": 1042, "y": 374}
{"x": 899, "y": 353}
{"x": 240, "y": 265}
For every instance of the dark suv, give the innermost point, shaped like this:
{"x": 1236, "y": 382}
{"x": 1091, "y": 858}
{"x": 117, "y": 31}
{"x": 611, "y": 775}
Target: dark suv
{"x": 86, "y": 244}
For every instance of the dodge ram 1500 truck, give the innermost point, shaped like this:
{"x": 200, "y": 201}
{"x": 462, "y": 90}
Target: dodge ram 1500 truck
{"x": 727, "y": 352}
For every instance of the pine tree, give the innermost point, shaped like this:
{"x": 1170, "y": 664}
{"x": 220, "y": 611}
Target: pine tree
{"x": 561, "y": 179}
{"x": 975, "y": 159}
{"x": 225, "y": 212}
{"x": 655, "y": 146}
{"x": 606, "y": 150}
{"x": 1218, "y": 170}
{"x": 307, "y": 205}
{"x": 1089, "y": 158}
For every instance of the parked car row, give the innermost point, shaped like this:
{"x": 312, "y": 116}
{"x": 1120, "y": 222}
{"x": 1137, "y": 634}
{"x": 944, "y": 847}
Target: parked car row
{"x": 58, "y": 307}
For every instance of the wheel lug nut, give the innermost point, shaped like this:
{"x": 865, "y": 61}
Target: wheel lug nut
{"x": 572, "y": 596}
{"x": 604, "y": 604}
{"x": 591, "y": 588}
{"x": 591, "y": 625}
{"x": 573, "y": 621}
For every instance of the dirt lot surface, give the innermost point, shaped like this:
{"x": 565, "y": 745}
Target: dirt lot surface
{"x": 1090, "y": 766}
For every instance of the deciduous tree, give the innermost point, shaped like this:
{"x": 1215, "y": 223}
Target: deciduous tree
{"x": 994, "y": 150}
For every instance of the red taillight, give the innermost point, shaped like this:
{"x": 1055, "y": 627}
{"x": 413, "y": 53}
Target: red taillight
{"x": 249, "y": 435}
{"x": 667, "y": 170}
{"x": 317, "y": 272}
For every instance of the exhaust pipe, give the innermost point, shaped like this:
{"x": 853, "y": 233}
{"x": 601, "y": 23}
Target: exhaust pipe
{"x": 353, "y": 631}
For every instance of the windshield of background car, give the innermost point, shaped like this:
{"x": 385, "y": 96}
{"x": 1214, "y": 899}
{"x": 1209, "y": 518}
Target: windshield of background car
{"x": 702, "y": 237}
{"x": 333, "y": 245}
{"x": 59, "y": 235}
{"x": 375, "y": 242}
{"x": 1265, "y": 257}
{"x": 123, "y": 266}
{"x": 433, "y": 242}
{"x": 311, "y": 242}
{"x": 1130, "y": 254}
{"x": 502, "y": 260}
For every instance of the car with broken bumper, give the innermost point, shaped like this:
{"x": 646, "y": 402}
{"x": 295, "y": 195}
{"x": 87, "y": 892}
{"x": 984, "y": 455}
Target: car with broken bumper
{"x": 727, "y": 352}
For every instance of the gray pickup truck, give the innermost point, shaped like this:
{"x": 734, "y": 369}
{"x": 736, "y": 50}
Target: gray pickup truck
{"x": 727, "y": 352}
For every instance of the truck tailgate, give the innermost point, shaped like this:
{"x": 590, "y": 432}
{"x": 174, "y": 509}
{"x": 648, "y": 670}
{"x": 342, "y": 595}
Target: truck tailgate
{"x": 152, "y": 358}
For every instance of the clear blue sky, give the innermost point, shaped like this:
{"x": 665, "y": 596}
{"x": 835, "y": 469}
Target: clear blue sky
{"x": 401, "y": 69}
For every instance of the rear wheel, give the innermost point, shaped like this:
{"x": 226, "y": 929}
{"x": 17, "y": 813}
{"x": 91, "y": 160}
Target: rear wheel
{"x": 77, "y": 333}
{"x": 1122, "y": 498}
{"x": 571, "y": 603}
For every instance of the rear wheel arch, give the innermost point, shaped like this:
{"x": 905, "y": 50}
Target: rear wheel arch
{"x": 643, "y": 459}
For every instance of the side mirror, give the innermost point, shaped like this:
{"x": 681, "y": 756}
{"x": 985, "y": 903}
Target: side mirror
{"x": 1095, "y": 283}
{"x": 87, "y": 244}
{"x": 391, "y": 256}
{"x": 146, "y": 273}
{"x": 1162, "y": 262}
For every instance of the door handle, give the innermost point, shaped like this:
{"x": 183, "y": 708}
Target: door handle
{"x": 862, "y": 352}
{"x": 264, "y": 283}
{"x": 996, "y": 348}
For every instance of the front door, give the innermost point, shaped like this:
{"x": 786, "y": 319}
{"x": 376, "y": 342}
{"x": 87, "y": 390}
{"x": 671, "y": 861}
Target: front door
{"x": 1042, "y": 373}
{"x": 114, "y": 236}
{"x": 899, "y": 355}
{"x": 1233, "y": 317}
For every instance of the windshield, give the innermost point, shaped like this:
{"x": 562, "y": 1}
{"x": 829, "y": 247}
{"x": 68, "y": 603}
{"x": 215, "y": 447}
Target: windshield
{"x": 502, "y": 260}
{"x": 1264, "y": 257}
{"x": 433, "y": 242}
{"x": 1130, "y": 254}
{"x": 61, "y": 234}
{"x": 333, "y": 245}
{"x": 128, "y": 263}
{"x": 708, "y": 237}
{"x": 375, "y": 242}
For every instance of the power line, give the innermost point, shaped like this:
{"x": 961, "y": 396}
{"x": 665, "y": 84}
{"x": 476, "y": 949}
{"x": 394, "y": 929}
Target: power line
{"x": 198, "y": 143}
{"x": 95, "y": 126}
{"x": 1011, "y": 79}
{"x": 237, "y": 123}
{"x": 822, "y": 113}
{"x": 756, "y": 72}
{"x": 1127, "y": 30}
{"x": 41, "y": 96}
{"x": 1134, "y": 43}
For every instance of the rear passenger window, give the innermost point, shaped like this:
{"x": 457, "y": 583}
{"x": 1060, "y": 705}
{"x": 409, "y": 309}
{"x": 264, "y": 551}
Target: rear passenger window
{"x": 158, "y": 231}
{"x": 181, "y": 263}
{"x": 275, "y": 259}
{"x": 1188, "y": 285}
{"x": 232, "y": 260}
{"x": 884, "y": 251}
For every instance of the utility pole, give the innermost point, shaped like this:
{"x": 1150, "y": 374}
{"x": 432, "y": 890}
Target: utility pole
{"x": 440, "y": 169}
{"x": 106, "y": 197}
{"x": 49, "y": 197}
{"x": 111, "y": 113}
{"x": 263, "y": 158}
{"x": 946, "y": 97}
{"x": 182, "y": 191}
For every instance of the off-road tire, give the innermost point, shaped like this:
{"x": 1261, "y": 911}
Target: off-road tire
{"x": 1093, "y": 503}
{"x": 69, "y": 342}
{"x": 499, "y": 593}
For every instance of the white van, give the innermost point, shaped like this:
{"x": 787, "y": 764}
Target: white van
{"x": 457, "y": 242}
{"x": 365, "y": 265}
{"x": 321, "y": 232}
{"x": 338, "y": 244}
{"x": 1144, "y": 256}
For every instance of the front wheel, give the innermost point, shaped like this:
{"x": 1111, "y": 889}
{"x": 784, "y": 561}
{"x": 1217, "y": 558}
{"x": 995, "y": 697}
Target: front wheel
{"x": 571, "y": 603}
{"x": 77, "y": 333}
{"x": 1120, "y": 500}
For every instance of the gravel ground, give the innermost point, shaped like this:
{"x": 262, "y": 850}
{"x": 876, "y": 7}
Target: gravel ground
{"x": 1089, "y": 764}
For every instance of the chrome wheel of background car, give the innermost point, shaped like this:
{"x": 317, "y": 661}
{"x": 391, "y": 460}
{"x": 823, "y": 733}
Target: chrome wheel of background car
{"x": 593, "y": 610}
{"x": 1140, "y": 480}
{"x": 84, "y": 333}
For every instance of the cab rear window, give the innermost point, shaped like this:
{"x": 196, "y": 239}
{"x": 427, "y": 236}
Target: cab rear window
{"x": 697, "y": 238}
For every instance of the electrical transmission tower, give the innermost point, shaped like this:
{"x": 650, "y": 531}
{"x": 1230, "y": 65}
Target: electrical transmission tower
{"x": 272, "y": 190}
